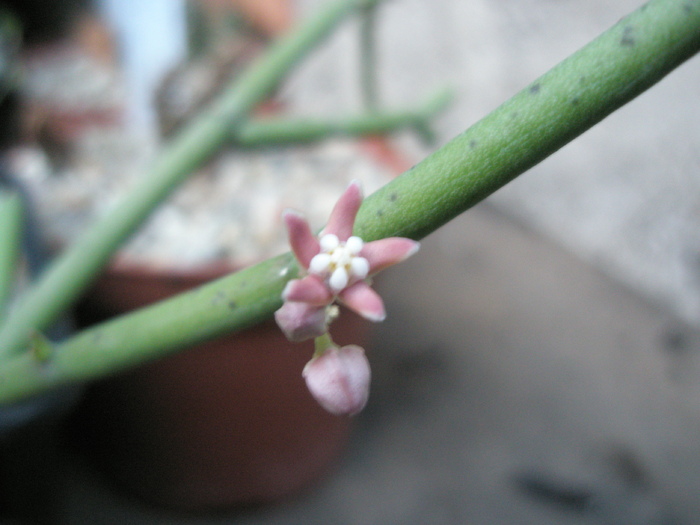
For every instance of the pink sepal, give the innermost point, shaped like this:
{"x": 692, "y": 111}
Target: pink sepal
{"x": 311, "y": 289}
{"x": 301, "y": 321}
{"x": 386, "y": 252}
{"x": 342, "y": 217}
{"x": 304, "y": 243}
{"x": 362, "y": 299}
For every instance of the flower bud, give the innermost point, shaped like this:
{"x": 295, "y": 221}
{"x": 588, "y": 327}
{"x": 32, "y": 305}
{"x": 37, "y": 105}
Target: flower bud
{"x": 301, "y": 321}
{"x": 339, "y": 379}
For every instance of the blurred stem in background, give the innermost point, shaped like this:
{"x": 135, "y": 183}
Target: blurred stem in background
{"x": 11, "y": 225}
{"x": 369, "y": 83}
{"x": 286, "y": 130}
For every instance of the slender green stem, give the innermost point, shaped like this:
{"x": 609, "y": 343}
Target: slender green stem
{"x": 368, "y": 59}
{"x": 11, "y": 224}
{"x": 286, "y": 130}
{"x": 58, "y": 288}
{"x": 322, "y": 344}
{"x": 572, "y": 97}
{"x": 240, "y": 299}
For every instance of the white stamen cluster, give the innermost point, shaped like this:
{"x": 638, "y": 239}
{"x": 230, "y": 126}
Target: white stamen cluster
{"x": 339, "y": 262}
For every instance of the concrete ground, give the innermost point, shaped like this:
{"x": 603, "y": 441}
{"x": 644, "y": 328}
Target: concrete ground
{"x": 513, "y": 384}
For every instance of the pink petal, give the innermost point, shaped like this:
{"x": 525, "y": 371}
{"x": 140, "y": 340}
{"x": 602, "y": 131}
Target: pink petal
{"x": 311, "y": 289}
{"x": 342, "y": 217}
{"x": 339, "y": 379}
{"x": 362, "y": 299}
{"x": 386, "y": 252}
{"x": 304, "y": 243}
{"x": 301, "y": 321}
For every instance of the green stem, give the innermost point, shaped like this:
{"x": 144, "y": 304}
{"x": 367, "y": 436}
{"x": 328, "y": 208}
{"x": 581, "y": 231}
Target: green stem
{"x": 58, "y": 288}
{"x": 572, "y": 97}
{"x": 240, "y": 299}
{"x": 11, "y": 224}
{"x": 322, "y": 344}
{"x": 287, "y": 130}
{"x": 368, "y": 59}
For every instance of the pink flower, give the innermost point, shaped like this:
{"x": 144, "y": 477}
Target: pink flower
{"x": 339, "y": 379}
{"x": 337, "y": 266}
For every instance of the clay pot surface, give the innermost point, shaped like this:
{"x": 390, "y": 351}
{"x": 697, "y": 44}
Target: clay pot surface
{"x": 228, "y": 422}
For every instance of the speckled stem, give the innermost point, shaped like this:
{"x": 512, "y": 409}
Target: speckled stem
{"x": 569, "y": 99}
{"x": 61, "y": 284}
{"x": 11, "y": 224}
{"x": 287, "y": 130}
{"x": 613, "y": 69}
{"x": 238, "y": 300}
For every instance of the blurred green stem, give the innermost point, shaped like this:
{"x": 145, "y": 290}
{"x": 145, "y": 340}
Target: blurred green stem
{"x": 617, "y": 66}
{"x": 11, "y": 224}
{"x": 368, "y": 58}
{"x": 68, "y": 276}
{"x": 286, "y": 130}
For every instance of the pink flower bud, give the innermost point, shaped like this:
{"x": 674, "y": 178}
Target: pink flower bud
{"x": 339, "y": 379}
{"x": 301, "y": 321}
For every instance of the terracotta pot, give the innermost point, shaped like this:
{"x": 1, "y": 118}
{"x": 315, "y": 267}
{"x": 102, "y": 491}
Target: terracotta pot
{"x": 228, "y": 422}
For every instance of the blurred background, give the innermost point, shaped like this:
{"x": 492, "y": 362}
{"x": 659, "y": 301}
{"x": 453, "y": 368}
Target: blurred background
{"x": 541, "y": 358}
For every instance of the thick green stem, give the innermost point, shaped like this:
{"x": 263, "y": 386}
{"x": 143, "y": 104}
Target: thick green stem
{"x": 286, "y": 130}
{"x": 241, "y": 299}
{"x": 566, "y": 101}
{"x": 58, "y": 288}
{"x": 11, "y": 224}
{"x": 572, "y": 97}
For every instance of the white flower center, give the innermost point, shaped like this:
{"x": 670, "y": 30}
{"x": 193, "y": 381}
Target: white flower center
{"x": 339, "y": 263}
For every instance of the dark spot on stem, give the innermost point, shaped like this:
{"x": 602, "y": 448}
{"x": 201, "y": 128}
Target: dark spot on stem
{"x": 393, "y": 197}
{"x": 575, "y": 101}
{"x": 514, "y": 115}
{"x": 688, "y": 8}
{"x": 380, "y": 213}
{"x": 473, "y": 144}
{"x": 232, "y": 305}
{"x": 218, "y": 298}
{"x": 628, "y": 37}
{"x": 535, "y": 88}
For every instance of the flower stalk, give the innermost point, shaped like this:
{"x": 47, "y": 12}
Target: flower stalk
{"x": 322, "y": 344}
{"x": 586, "y": 87}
